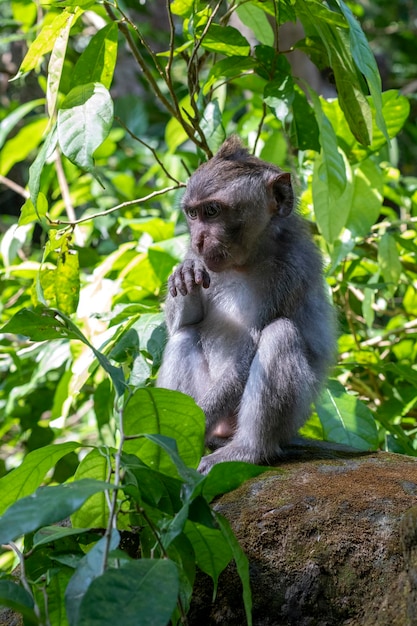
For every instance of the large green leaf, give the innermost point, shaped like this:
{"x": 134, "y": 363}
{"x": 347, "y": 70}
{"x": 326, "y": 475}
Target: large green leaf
{"x": 94, "y": 513}
{"x": 225, "y": 40}
{"x": 47, "y": 505}
{"x": 168, "y": 413}
{"x": 97, "y": 62}
{"x": 367, "y": 198}
{"x": 332, "y": 188}
{"x": 212, "y": 550}
{"x": 45, "y": 41}
{"x": 84, "y": 121}
{"x": 26, "y": 478}
{"x": 140, "y": 592}
{"x": 365, "y": 61}
{"x": 253, "y": 17}
{"x": 345, "y": 419}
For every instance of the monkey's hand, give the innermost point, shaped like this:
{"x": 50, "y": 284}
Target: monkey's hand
{"x": 186, "y": 277}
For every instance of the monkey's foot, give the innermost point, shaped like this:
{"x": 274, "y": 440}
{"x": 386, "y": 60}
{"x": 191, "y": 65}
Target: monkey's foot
{"x": 229, "y": 452}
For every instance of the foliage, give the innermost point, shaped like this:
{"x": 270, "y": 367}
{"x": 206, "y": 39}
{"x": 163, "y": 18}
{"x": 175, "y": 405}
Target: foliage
{"x": 100, "y": 160}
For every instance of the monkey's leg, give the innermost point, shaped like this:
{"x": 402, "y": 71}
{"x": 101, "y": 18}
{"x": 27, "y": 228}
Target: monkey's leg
{"x": 276, "y": 399}
{"x": 184, "y": 367}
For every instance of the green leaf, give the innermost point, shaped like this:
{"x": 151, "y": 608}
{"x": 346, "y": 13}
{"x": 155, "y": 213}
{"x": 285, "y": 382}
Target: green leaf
{"x": 345, "y": 419}
{"x": 212, "y": 550}
{"x": 84, "y": 121}
{"x": 365, "y": 61}
{"x": 367, "y": 198}
{"x": 47, "y": 506}
{"x": 211, "y": 125}
{"x": 253, "y": 17}
{"x": 21, "y": 145}
{"x": 36, "y": 168}
{"x": 56, "y": 64}
{"x": 242, "y": 564}
{"x": 389, "y": 261}
{"x": 39, "y": 325}
{"x": 44, "y": 42}
{"x": 140, "y": 592}
{"x": 225, "y": 477}
{"x": 10, "y": 121}
{"x": 26, "y": 478}
{"x": 88, "y": 569}
{"x": 279, "y": 95}
{"x": 332, "y": 189}
{"x": 29, "y": 214}
{"x": 225, "y": 40}
{"x": 168, "y": 413}
{"x": 67, "y": 281}
{"x": 94, "y": 513}
{"x": 19, "y": 600}
{"x": 52, "y": 534}
{"x": 304, "y": 127}
{"x": 97, "y": 62}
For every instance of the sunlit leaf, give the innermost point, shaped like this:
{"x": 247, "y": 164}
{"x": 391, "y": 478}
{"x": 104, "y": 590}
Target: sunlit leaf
{"x": 345, "y": 419}
{"x": 225, "y": 40}
{"x": 67, "y": 281}
{"x": 169, "y": 413}
{"x": 56, "y": 64}
{"x": 44, "y": 42}
{"x": 26, "y": 478}
{"x": 97, "y": 62}
{"x": 253, "y": 17}
{"x": 84, "y": 121}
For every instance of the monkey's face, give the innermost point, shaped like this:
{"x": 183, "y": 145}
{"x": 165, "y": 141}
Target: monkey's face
{"x": 223, "y": 234}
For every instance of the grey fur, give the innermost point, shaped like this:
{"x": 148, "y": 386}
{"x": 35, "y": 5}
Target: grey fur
{"x": 251, "y": 331}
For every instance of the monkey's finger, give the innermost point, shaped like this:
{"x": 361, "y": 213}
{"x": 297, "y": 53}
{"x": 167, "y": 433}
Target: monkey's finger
{"x": 189, "y": 280}
{"x": 171, "y": 286}
{"x": 202, "y": 277}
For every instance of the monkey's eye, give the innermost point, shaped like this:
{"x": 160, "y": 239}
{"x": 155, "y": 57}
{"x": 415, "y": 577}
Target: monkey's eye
{"x": 192, "y": 213}
{"x": 211, "y": 210}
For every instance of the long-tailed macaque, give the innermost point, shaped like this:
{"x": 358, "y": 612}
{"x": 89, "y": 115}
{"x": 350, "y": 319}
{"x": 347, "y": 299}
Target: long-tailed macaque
{"x": 250, "y": 327}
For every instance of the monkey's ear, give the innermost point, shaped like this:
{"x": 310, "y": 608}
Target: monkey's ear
{"x": 282, "y": 193}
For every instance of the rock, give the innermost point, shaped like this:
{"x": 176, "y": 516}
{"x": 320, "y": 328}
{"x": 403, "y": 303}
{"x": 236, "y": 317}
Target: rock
{"x": 329, "y": 542}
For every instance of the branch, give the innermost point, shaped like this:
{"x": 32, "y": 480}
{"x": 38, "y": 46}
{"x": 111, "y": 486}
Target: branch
{"x": 123, "y": 205}
{"x": 15, "y": 187}
{"x": 23, "y": 578}
{"x": 154, "y": 154}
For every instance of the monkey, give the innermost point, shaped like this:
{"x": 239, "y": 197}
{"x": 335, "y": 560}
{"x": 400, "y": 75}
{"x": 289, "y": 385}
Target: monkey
{"x": 250, "y": 327}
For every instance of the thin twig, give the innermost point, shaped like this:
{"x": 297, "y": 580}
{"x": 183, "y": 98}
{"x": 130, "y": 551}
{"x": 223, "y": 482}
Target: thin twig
{"x": 152, "y": 150}
{"x": 23, "y": 578}
{"x": 260, "y": 125}
{"x": 14, "y": 187}
{"x": 123, "y": 205}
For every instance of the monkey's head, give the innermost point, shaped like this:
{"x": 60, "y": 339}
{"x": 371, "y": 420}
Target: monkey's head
{"x": 230, "y": 201}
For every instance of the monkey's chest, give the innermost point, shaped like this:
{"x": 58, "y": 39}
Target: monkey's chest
{"x": 230, "y": 326}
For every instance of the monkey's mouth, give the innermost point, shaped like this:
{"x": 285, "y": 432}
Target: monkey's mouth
{"x": 216, "y": 262}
